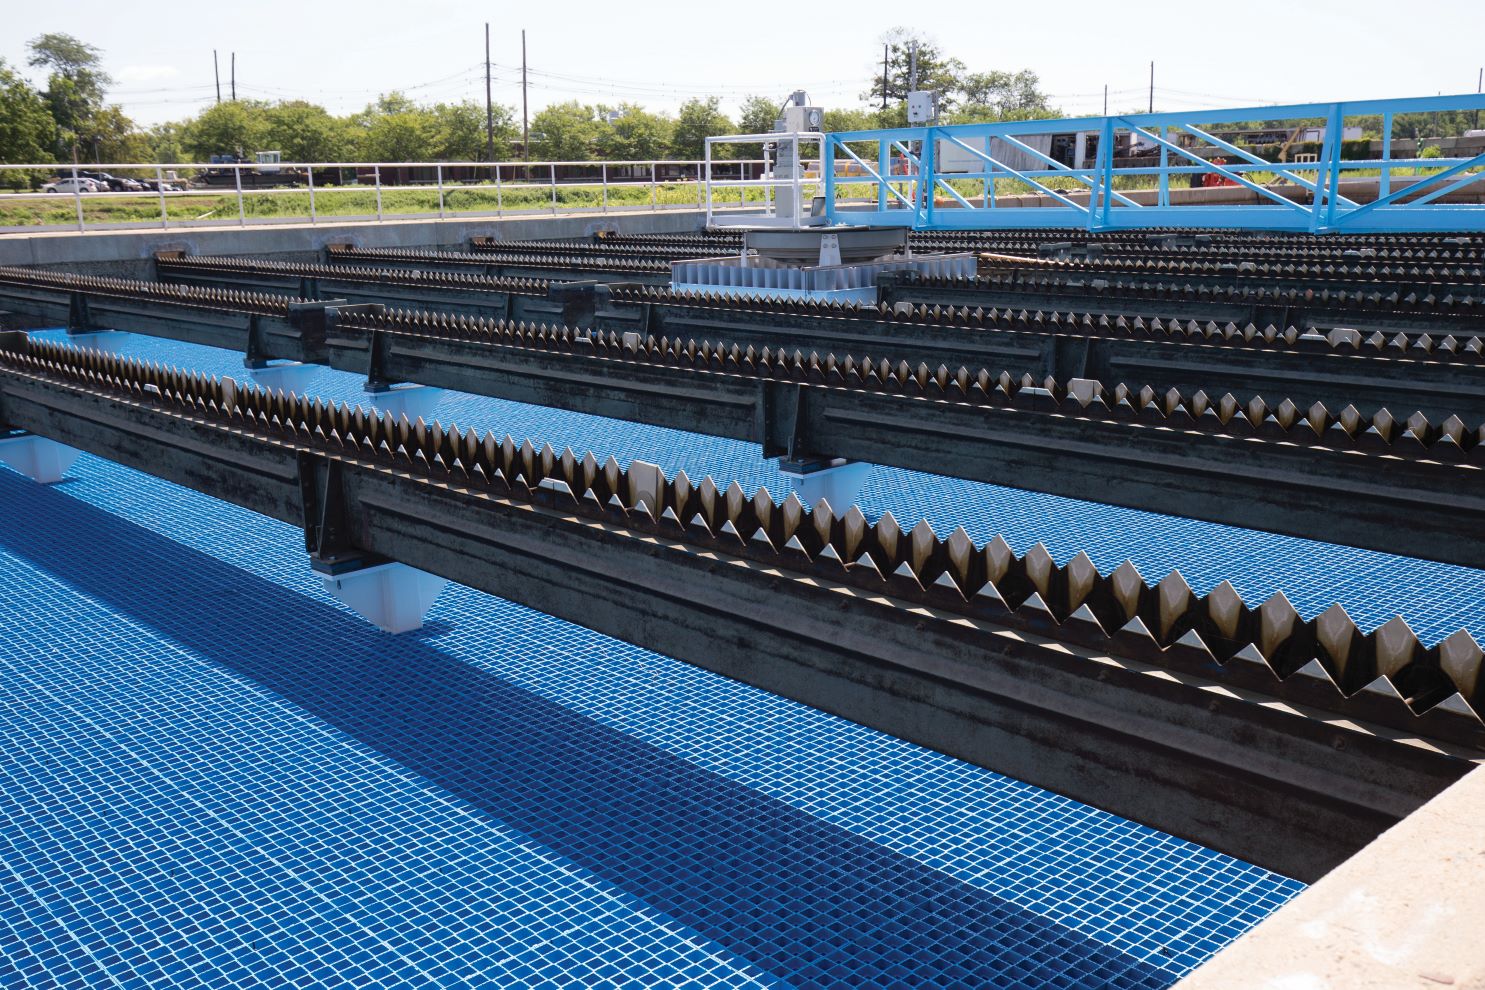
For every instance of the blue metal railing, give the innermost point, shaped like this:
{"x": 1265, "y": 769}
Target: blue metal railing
{"x": 945, "y": 178}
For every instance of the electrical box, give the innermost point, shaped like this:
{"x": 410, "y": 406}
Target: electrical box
{"x": 802, "y": 119}
{"x": 922, "y": 106}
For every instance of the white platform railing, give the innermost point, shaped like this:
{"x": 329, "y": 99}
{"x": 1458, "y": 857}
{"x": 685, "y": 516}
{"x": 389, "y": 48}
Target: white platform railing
{"x": 296, "y": 192}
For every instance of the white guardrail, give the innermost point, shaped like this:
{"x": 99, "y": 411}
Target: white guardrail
{"x": 443, "y": 189}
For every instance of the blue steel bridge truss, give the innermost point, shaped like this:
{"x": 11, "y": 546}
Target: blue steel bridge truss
{"x": 944, "y": 178}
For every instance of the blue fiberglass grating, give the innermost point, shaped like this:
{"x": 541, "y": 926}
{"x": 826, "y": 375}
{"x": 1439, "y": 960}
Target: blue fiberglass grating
{"x": 214, "y": 776}
{"x": 1436, "y": 599}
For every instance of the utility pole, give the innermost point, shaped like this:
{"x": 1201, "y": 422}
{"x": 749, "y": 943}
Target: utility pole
{"x": 1479, "y": 88}
{"x": 234, "y": 77}
{"x": 216, "y": 70}
{"x": 1105, "y": 99}
{"x": 1152, "y": 87}
{"x": 912, "y": 66}
{"x": 885, "y": 49}
{"x": 489, "y": 105}
{"x": 525, "y": 125}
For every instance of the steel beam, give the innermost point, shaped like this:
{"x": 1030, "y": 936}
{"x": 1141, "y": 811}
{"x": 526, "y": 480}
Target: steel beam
{"x": 1383, "y": 485}
{"x": 1064, "y": 346}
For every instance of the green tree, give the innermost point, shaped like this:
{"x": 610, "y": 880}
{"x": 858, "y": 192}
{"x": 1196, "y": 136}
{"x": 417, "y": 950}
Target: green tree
{"x": 998, "y": 95}
{"x": 305, "y": 132}
{"x": 698, "y": 120}
{"x": 629, "y": 132}
{"x": 563, "y": 132}
{"x": 936, "y": 71}
{"x": 237, "y": 127}
{"x": 759, "y": 113}
{"x": 166, "y": 142}
{"x": 114, "y": 138}
{"x": 74, "y": 88}
{"x": 26, "y": 125}
{"x": 458, "y": 131}
{"x": 395, "y": 129}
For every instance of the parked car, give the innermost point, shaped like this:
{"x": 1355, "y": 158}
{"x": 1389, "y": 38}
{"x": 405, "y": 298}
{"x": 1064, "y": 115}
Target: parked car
{"x": 112, "y": 183}
{"x": 71, "y": 185}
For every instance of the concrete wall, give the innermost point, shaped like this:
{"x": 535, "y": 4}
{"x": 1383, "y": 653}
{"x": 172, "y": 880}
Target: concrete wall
{"x": 128, "y": 252}
{"x": 1405, "y": 912}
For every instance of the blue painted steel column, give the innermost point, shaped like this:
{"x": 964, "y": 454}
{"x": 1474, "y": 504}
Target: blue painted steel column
{"x": 827, "y": 166}
{"x": 1100, "y": 197}
{"x": 884, "y": 170}
{"x": 1163, "y": 199}
{"x": 926, "y": 167}
{"x": 1337, "y": 129}
{"x": 1384, "y": 181}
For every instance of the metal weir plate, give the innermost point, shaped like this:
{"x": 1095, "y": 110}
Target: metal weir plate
{"x": 758, "y": 275}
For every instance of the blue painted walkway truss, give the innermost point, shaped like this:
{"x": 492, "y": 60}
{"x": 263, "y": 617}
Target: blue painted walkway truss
{"x": 1134, "y": 171}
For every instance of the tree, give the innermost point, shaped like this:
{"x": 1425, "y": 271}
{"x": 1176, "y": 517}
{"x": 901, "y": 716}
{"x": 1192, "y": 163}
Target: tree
{"x": 629, "y": 132}
{"x": 563, "y": 132}
{"x": 74, "y": 87}
{"x": 759, "y": 113}
{"x": 998, "y": 95}
{"x": 458, "y": 131}
{"x": 395, "y": 129}
{"x": 26, "y": 125}
{"x": 113, "y": 137}
{"x": 698, "y": 120}
{"x": 165, "y": 142}
{"x": 305, "y": 132}
{"x": 936, "y": 71}
{"x": 237, "y": 127}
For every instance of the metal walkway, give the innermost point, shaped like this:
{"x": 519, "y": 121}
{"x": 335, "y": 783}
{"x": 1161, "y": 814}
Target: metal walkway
{"x": 945, "y": 178}
{"x": 501, "y": 799}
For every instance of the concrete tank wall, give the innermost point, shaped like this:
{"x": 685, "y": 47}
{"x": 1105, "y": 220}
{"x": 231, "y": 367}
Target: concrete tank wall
{"x": 128, "y": 252}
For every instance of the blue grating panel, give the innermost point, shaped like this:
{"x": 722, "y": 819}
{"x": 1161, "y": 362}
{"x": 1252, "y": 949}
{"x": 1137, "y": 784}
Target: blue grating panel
{"x": 212, "y": 775}
{"x": 1436, "y": 599}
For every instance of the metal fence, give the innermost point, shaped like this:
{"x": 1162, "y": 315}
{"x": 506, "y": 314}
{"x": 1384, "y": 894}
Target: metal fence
{"x": 359, "y": 191}
{"x": 954, "y": 177}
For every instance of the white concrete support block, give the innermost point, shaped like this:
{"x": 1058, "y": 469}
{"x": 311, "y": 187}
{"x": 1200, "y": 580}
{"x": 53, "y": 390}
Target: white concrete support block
{"x": 412, "y": 401}
{"x": 284, "y": 376}
{"x": 38, "y": 458}
{"x": 107, "y": 341}
{"x": 392, "y": 596}
{"x": 839, "y": 484}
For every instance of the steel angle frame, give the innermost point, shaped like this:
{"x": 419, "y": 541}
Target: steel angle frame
{"x": 1322, "y": 209}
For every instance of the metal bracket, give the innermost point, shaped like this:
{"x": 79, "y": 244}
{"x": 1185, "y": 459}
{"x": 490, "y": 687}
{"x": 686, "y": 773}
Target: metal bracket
{"x": 254, "y": 354}
{"x": 326, "y": 535}
{"x": 1066, "y": 356}
{"x": 376, "y": 358}
{"x": 784, "y": 422}
{"x": 78, "y": 317}
{"x": 579, "y": 299}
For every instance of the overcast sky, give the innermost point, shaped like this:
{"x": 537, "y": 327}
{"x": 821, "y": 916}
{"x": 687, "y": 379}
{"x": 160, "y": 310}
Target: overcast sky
{"x": 343, "y": 54}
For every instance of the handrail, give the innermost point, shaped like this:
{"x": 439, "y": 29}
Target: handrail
{"x": 1306, "y": 196}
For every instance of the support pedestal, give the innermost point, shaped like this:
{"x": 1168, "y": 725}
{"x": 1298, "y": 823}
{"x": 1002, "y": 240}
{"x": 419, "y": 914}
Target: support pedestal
{"x": 40, "y": 459}
{"x": 411, "y": 401}
{"x": 286, "y": 376}
{"x": 393, "y": 596}
{"x": 838, "y": 481}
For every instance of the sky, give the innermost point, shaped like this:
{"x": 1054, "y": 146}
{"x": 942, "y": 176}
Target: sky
{"x": 343, "y": 55}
